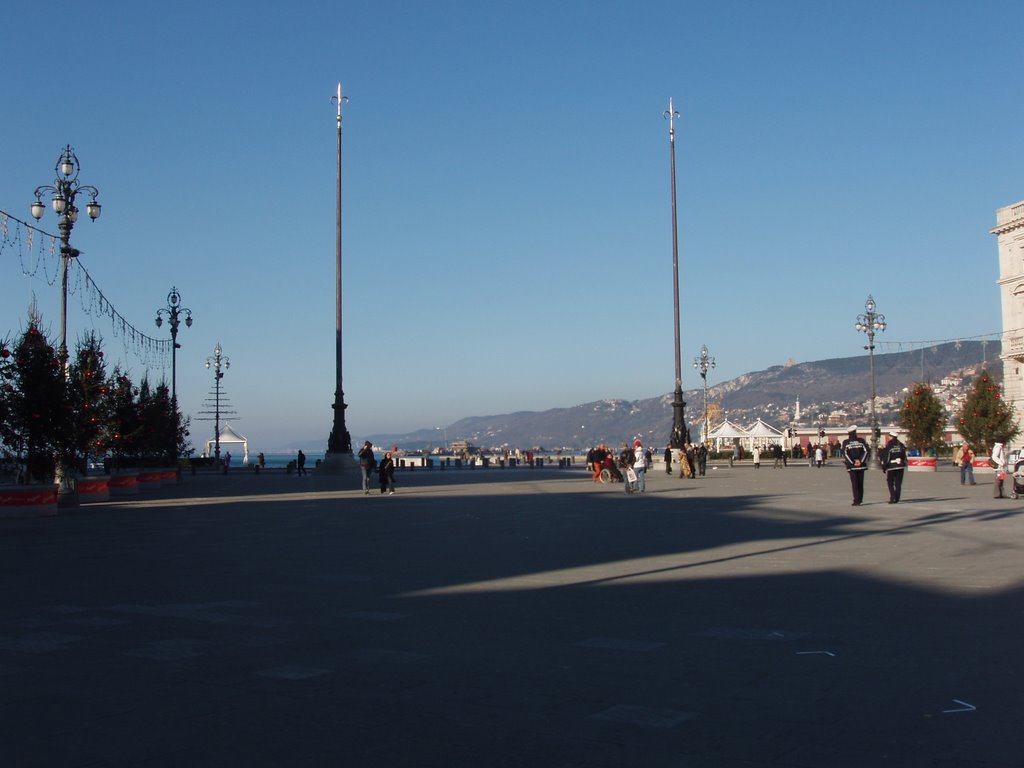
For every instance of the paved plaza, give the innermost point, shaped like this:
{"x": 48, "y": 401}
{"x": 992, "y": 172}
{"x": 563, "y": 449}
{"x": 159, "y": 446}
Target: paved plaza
{"x": 519, "y": 617}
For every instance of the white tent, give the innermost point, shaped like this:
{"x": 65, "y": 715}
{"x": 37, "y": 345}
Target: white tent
{"x": 762, "y": 434}
{"x": 229, "y": 439}
{"x": 728, "y": 433}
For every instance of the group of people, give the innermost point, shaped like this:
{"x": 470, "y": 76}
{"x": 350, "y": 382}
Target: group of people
{"x": 693, "y": 459}
{"x": 385, "y": 469}
{"x": 892, "y": 456}
{"x": 629, "y": 466}
{"x": 632, "y": 461}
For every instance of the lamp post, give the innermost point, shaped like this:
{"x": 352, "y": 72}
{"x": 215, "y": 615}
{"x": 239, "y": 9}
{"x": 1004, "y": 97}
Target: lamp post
{"x": 217, "y": 362}
{"x": 339, "y": 442}
{"x": 173, "y": 311}
{"x": 870, "y": 322}
{"x": 678, "y": 438}
{"x": 702, "y": 364}
{"x": 65, "y": 189}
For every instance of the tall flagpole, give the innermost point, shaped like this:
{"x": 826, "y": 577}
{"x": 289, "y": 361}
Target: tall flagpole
{"x": 340, "y": 442}
{"x": 679, "y": 436}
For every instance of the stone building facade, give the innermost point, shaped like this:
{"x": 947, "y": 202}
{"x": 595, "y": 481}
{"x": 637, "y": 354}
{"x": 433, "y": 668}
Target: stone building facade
{"x": 1009, "y": 231}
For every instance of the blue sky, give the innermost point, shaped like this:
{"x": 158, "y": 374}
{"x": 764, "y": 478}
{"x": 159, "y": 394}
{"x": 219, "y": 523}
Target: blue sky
{"x": 507, "y": 225}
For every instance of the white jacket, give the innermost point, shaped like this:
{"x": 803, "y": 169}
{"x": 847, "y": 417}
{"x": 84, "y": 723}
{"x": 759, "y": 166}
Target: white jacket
{"x": 999, "y": 455}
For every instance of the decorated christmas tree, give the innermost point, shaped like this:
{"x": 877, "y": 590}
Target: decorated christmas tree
{"x": 87, "y": 390}
{"x": 924, "y": 418}
{"x": 986, "y": 418}
{"x": 124, "y": 426}
{"x": 35, "y": 426}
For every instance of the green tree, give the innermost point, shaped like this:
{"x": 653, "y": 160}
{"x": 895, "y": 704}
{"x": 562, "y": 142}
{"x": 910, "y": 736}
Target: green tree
{"x": 171, "y": 428}
{"x": 6, "y": 391}
{"x": 35, "y": 427}
{"x": 986, "y": 418}
{"x": 87, "y": 391}
{"x": 924, "y": 418}
{"x": 162, "y": 432}
{"x": 124, "y": 426}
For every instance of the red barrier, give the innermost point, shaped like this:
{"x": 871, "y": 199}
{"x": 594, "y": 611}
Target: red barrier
{"x": 28, "y": 501}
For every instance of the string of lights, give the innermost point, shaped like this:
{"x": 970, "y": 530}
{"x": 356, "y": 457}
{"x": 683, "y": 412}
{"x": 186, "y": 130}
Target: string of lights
{"x": 38, "y": 255}
{"x": 910, "y": 346}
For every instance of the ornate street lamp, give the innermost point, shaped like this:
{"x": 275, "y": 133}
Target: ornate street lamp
{"x": 679, "y": 436}
{"x": 702, "y": 364}
{"x": 173, "y": 312}
{"x": 65, "y": 189}
{"x": 870, "y": 322}
{"x": 217, "y": 362}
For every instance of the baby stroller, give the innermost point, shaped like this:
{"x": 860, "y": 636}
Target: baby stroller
{"x": 1018, "y": 478}
{"x": 609, "y": 472}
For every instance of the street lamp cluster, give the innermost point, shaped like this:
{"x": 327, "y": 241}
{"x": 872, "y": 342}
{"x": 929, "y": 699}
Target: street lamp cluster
{"x": 870, "y": 322}
{"x": 702, "y": 364}
{"x": 219, "y": 363}
{"x": 65, "y": 190}
{"x": 174, "y": 310}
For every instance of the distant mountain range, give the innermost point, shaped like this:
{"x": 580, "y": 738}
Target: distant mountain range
{"x": 769, "y": 394}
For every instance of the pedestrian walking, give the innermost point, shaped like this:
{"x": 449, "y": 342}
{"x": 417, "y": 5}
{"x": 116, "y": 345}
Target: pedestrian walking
{"x": 600, "y": 454}
{"x": 386, "y": 473}
{"x": 366, "y": 465}
{"x": 855, "y": 456}
{"x": 300, "y": 463}
{"x": 701, "y": 455}
{"x": 639, "y": 467}
{"x": 668, "y": 459}
{"x": 894, "y": 461}
{"x": 998, "y": 462}
{"x": 967, "y": 465}
{"x": 757, "y": 457}
{"x": 685, "y": 467}
{"x": 627, "y": 458}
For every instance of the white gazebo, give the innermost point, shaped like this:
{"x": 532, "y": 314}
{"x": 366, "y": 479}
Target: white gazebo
{"x": 762, "y": 434}
{"x": 727, "y": 432}
{"x": 230, "y": 438}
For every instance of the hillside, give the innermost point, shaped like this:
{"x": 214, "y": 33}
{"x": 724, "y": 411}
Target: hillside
{"x": 767, "y": 394}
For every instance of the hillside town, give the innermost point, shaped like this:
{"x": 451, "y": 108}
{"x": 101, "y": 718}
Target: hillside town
{"x": 951, "y": 391}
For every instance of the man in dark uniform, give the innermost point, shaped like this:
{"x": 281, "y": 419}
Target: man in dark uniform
{"x": 894, "y": 461}
{"x": 855, "y": 457}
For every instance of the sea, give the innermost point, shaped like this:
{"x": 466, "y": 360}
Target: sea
{"x": 280, "y": 460}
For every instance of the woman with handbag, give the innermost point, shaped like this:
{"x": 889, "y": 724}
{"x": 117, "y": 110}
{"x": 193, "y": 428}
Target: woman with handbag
{"x": 998, "y": 462}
